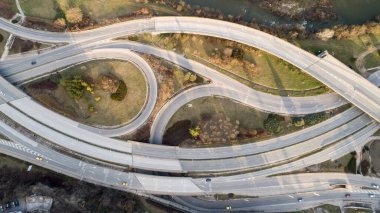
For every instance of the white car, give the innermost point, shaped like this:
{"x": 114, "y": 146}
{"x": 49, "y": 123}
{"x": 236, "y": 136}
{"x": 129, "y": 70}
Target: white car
{"x": 375, "y": 186}
{"x": 371, "y": 195}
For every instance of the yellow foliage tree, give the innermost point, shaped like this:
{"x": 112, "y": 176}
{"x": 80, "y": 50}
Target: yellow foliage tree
{"x": 60, "y": 22}
{"x": 74, "y": 15}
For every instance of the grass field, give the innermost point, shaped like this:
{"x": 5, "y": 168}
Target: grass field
{"x": 3, "y": 40}
{"x": 372, "y": 60}
{"x": 249, "y": 120}
{"x": 256, "y": 69}
{"x": 107, "y": 111}
{"x": 346, "y": 50}
{"x": 337, "y": 165}
{"x": 8, "y": 8}
{"x": 44, "y": 9}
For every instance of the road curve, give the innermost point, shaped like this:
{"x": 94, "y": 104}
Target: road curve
{"x": 95, "y": 54}
{"x": 233, "y": 89}
{"x": 337, "y": 76}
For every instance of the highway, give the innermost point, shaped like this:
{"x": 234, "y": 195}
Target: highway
{"x": 48, "y": 118}
{"x": 174, "y": 185}
{"x": 33, "y": 126}
{"x": 124, "y": 154}
{"x": 338, "y": 77}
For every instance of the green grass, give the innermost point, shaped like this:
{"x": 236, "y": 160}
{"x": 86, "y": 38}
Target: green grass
{"x": 3, "y": 40}
{"x": 256, "y": 69}
{"x": 44, "y": 9}
{"x": 107, "y": 112}
{"x": 345, "y": 50}
{"x": 372, "y": 60}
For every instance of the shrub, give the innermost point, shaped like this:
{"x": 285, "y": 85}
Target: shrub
{"x": 60, "y": 23}
{"x": 1, "y": 38}
{"x": 195, "y": 131}
{"x": 351, "y": 166}
{"x": 120, "y": 93}
{"x": 74, "y": 15}
{"x": 297, "y": 121}
{"x": 314, "y": 118}
{"x": 237, "y": 53}
{"x": 273, "y": 124}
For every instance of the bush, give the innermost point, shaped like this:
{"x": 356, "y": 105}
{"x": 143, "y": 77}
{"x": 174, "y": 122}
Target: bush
{"x": 237, "y": 53}
{"x": 351, "y": 166}
{"x": 1, "y": 38}
{"x": 60, "y": 23}
{"x": 315, "y": 118}
{"x": 273, "y": 124}
{"x": 195, "y": 131}
{"x": 74, "y": 15}
{"x": 120, "y": 93}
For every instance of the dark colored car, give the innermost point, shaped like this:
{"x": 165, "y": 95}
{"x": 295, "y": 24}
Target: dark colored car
{"x": 347, "y": 195}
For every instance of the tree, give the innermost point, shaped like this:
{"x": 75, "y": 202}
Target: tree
{"x": 273, "y": 124}
{"x": 76, "y": 87}
{"x": 120, "y": 93}
{"x": 195, "y": 131}
{"x": 74, "y": 15}
{"x": 193, "y": 78}
{"x": 314, "y": 118}
{"x": 60, "y": 22}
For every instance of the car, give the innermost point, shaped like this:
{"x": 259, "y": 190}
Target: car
{"x": 228, "y": 207}
{"x": 34, "y": 62}
{"x": 125, "y": 183}
{"x": 347, "y": 195}
{"x": 323, "y": 54}
{"x": 371, "y": 195}
{"x": 208, "y": 179}
{"x": 7, "y": 206}
{"x": 17, "y": 203}
{"x": 375, "y": 186}
{"x": 300, "y": 200}
{"x": 39, "y": 158}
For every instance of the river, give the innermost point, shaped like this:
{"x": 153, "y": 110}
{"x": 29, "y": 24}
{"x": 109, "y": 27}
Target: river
{"x": 348, "y": 11}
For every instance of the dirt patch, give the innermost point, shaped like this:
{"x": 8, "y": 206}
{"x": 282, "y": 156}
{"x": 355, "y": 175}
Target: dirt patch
{"x": 7, "y": 8}
{"x": 21, "y": 46}
{"x": 177, "y": 133}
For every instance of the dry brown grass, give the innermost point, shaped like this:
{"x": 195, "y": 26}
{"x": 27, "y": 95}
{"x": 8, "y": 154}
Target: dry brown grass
{"x": 107, "y": 111}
